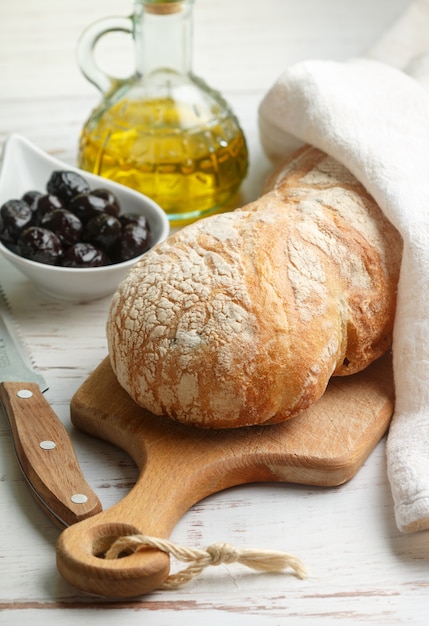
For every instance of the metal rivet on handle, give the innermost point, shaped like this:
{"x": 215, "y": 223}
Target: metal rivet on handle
{"x": 47, "y": 445}
{"x": 24, "y": 393}
{"x": 79, "y": 498}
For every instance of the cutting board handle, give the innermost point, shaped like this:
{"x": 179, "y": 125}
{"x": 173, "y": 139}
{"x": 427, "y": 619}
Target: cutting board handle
{"x": 171, "y": 480}
{"x": 80, "y": 559}
{"x": 178, "y": 466}
{"x": 174, "y": 475}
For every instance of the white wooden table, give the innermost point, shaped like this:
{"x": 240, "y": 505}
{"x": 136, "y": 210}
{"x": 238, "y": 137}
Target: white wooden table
{"x": 362, "y": 570}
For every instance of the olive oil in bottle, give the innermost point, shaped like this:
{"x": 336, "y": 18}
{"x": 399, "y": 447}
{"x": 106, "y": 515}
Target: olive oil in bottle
{"x": 164, "y": 132}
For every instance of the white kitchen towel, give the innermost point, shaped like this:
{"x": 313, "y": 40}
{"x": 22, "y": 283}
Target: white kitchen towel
{"x": 374, "y": 119}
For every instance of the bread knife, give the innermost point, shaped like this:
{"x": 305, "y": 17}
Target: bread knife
{"x": 42, "y": 444}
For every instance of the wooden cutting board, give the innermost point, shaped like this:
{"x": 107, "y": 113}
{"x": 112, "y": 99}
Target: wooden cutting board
{"x": 179, "y": 465}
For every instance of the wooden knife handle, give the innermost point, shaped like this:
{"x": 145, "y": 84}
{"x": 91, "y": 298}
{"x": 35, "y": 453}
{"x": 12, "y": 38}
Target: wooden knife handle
{"x": 46, "y": 455}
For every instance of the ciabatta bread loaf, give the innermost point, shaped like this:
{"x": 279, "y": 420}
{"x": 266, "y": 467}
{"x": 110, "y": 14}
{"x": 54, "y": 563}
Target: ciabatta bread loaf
{"x": 242, "y": 318}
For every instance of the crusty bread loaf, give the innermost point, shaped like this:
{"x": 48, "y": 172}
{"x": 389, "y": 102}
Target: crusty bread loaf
{"x": 242, "y": 318}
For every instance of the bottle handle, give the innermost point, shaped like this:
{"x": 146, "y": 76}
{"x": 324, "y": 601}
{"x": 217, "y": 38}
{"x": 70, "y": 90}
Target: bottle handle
{"x": 86, "y": 47}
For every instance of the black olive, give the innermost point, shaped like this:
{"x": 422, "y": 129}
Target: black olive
{"x": 66, "y": 184}
{"x": 40, "y": 244}
{"x": 111, "y": 199}
{"x": 134, "y": 218}
{"x": 16, "y": 215}
{"x": 65, "y": 224}
{"x": 5, "y": 236}
{"x": 133, "y": 241}
{"x": 84, "y": 255}
{"x": 102, "y": 230}
{"x": 30, "y": 196}
{"x": 71, "y": 225}
{"x": 88, "y": 205}
{"x": 46, "y": 203}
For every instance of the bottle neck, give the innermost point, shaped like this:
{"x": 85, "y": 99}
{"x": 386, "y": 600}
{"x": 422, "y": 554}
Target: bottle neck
{"x": 163, "y": 36}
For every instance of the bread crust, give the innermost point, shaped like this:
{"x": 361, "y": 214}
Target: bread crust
{"x": 242, "y": 318}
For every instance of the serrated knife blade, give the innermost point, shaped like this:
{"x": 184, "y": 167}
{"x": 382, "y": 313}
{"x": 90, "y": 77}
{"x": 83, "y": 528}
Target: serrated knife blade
{"x": 43, "y": 447}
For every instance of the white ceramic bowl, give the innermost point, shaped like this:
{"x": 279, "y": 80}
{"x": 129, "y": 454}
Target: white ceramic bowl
{"x": 27, "y": 167}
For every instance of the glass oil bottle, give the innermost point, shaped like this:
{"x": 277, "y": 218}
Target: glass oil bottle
{"x": 162, "y": 131}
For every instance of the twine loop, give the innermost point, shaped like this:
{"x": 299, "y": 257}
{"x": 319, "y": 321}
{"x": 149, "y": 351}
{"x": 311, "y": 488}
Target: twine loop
{"x": 215, "y": 554}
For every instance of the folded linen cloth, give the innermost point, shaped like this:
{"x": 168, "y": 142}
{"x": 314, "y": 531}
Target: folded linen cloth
{"x": 374, "y": 119}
